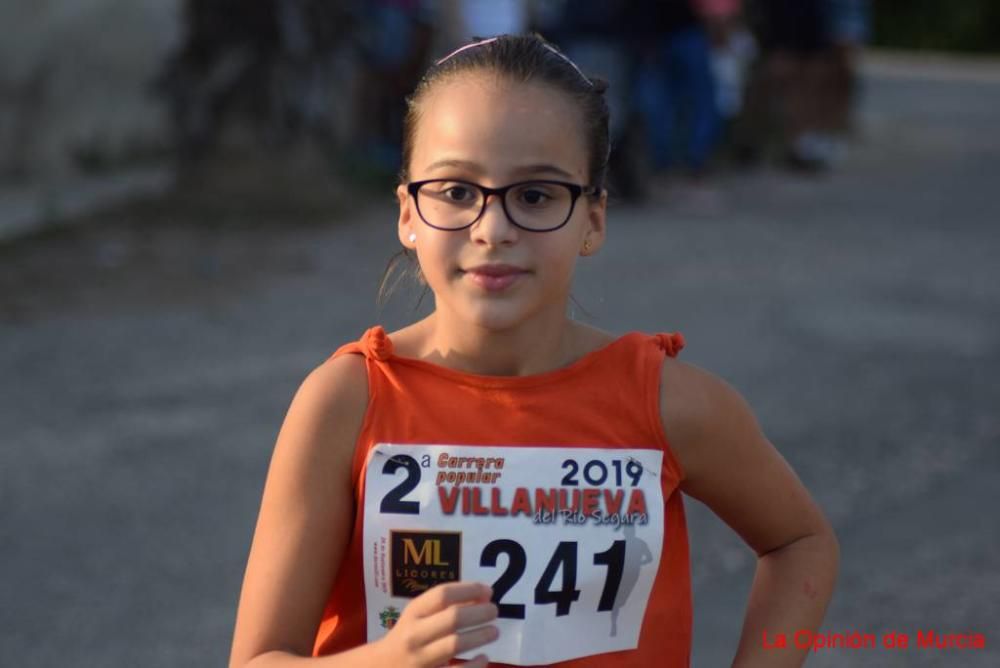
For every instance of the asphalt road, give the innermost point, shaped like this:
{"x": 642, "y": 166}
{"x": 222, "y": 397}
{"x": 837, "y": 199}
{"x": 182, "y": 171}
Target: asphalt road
{"x": 145, "y": 370}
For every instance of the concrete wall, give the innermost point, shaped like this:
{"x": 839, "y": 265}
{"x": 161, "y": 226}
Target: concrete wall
{"x": 74, "y": 80}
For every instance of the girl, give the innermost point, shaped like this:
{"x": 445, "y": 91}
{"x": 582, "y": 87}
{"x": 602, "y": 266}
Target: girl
{"x": 497, "y": 475}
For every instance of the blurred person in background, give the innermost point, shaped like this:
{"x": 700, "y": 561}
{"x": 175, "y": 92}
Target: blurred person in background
{"x": 807, "y": 74}
{"x": 395, "y": 42}
{"x": 599, "y": 37}
{"x": 676, "y": 93}
{"x": 850, "y": 30}
{"x": 794, "y": 43}
{"x": 733, "y": 50}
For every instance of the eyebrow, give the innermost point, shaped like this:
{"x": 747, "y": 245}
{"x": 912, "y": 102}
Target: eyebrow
{"x": 542, "y": 168}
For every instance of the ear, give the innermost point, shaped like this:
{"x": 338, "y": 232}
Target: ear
{"x": 597, "y": 220}
{"x": 405, "y": 226}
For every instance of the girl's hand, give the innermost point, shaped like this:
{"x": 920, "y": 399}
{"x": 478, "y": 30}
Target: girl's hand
{"x": 429, "y": 632}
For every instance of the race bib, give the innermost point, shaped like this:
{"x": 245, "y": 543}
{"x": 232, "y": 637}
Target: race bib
{"x": 569, "y": 537}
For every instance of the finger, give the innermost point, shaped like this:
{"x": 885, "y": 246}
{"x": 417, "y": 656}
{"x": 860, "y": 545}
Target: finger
{"x": 480, "y": 661}
{"x": 450, "y": 620}
{"x": 445, "y": 649}
{"x": 442, "y": 596}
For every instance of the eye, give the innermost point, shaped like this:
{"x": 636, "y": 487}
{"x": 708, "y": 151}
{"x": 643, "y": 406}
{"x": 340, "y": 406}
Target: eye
{"x": 534, "y": 194}
{"x": 451, "y": 192}
{"x": 458, "y": 193}
{"x": 534, "y": 197}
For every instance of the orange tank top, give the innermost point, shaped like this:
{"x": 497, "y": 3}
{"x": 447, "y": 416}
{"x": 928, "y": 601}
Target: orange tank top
{"x": 606, "y": 402}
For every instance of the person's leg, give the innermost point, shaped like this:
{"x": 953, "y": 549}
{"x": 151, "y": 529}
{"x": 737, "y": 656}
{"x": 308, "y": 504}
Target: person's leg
{"x": 653, "y": 100}
{"x": 849, "y": 24}
{"x": 694, "y": 85}
{"x": 844, "y": 88}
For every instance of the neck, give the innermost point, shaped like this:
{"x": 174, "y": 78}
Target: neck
{"x": 543, "y": 343}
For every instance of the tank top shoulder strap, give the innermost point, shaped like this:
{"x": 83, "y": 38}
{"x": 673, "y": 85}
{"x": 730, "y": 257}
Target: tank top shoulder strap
{"x": 656, "y": 348}
{"x": 376, "y": 348}
{"x": 374, "y": 344}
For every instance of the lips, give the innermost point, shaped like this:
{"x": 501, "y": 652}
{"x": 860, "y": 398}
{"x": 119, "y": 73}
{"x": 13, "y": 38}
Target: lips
{"x": 495, "y": 270}
{"x": 494, "y": 277}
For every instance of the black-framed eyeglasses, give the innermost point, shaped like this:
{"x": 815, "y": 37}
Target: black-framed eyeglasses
{"x": 536, "y": 206}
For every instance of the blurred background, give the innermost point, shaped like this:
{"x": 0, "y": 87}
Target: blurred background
{"x": 196, "y": 209}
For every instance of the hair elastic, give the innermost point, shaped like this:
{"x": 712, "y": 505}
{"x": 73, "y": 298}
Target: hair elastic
{"x": 493, "y": 39}
{"x": 572, "y": 64}
{"x": 467, "y": 46}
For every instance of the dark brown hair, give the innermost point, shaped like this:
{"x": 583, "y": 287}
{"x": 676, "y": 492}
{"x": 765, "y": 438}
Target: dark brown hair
{"x": 521, "y": 59}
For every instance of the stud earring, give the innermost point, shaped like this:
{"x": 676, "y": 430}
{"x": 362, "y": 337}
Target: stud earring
{"x": 586, "y": 246}
{"x": 413, "y": 237}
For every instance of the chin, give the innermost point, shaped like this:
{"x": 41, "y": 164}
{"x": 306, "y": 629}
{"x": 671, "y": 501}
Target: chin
{"x": 496, "y": 317}
{"x": 496, "y": 322}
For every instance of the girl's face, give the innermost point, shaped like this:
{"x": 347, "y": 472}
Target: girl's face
{"x": 494, "y": 132}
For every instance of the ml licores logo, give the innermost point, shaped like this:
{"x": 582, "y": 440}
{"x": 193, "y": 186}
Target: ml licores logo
{"x": 422, "y": 559}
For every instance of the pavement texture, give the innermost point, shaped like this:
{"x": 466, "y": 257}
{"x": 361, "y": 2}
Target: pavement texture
{"x": 147, "y": 360}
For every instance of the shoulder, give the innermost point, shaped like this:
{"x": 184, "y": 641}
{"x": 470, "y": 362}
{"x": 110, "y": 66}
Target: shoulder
{"x": 311, "y": 467}
{"x": 703, "y": 416}
{"x": 316, "y": 444}
{"x": 729, "y": 464}
{"x": 306, "y": 513}
{"x": 689, "y": 392}
{"x": 337, "y": 388}
{"x": 327, "y": 412}
{"x": 343, "y": 377}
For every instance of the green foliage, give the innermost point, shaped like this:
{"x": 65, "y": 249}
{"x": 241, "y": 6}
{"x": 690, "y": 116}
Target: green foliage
{"x": 944, "y": 25}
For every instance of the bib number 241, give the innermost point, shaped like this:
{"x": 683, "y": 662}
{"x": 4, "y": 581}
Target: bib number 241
{"x": 565, "y": 556}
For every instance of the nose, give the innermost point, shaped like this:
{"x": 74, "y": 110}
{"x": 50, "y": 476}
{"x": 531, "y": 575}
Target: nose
{"x": 493, "y": 227}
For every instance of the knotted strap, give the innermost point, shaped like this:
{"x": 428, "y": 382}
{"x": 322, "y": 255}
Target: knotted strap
{"x": 374, "y": 344}
{"x": 377, "y": 344}
{"x": 671, "y": 343}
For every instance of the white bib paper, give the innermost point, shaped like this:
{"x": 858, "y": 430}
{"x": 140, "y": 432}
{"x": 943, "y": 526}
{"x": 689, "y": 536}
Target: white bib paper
{"x": 569, "y": 537}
